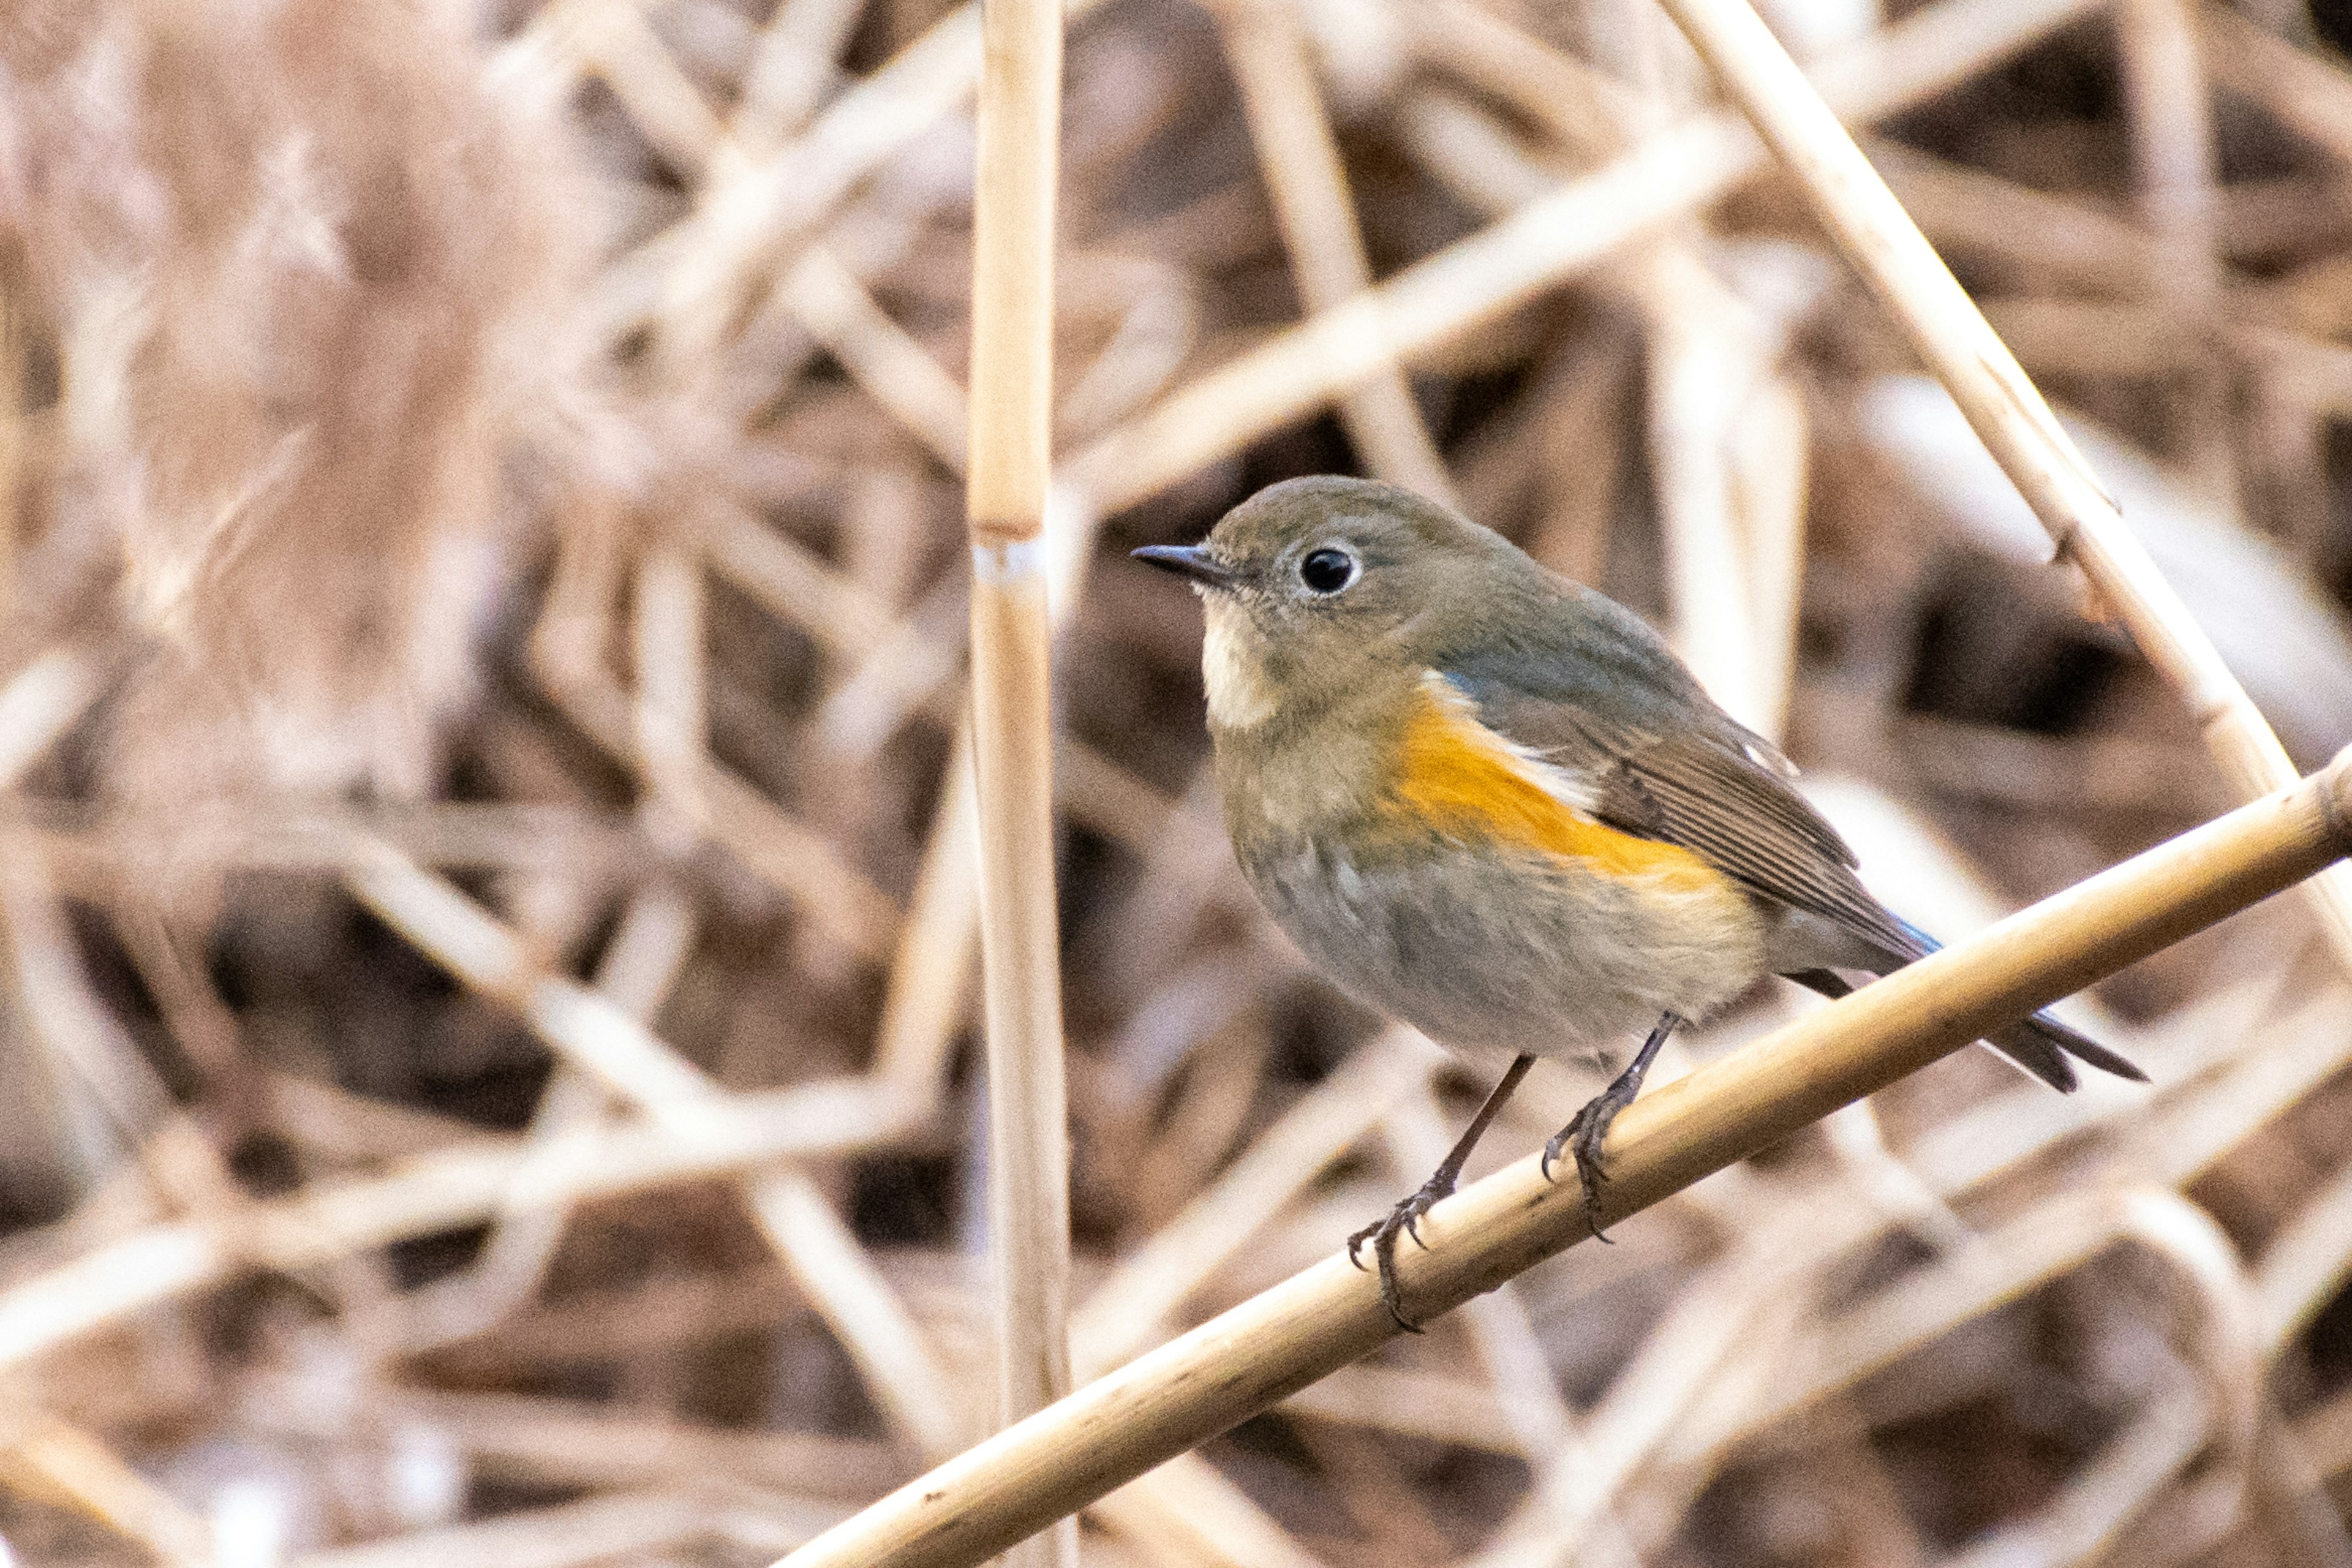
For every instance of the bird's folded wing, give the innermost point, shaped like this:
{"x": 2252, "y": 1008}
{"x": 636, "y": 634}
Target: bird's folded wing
{"x": 1683, "y": 773}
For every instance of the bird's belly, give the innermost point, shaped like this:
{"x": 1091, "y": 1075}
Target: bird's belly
{"x": 1515, "y": 950}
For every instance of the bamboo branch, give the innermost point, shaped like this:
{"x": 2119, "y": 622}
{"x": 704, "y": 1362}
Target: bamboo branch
{"x": 2007, "y": 413}
{"x": 1012, "y": 412}
{"x": 1269, "y": 1347}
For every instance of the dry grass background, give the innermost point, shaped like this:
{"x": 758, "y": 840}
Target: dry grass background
{"x": 485, "y": 1061}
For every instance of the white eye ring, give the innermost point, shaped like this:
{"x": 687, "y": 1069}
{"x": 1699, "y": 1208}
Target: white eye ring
{"x": 1327, "y": 570}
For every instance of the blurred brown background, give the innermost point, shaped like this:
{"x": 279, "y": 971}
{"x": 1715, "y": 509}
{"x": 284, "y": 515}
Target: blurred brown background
{"x": 486, "y": 927}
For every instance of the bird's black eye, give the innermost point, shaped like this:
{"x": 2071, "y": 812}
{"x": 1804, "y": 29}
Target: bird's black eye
{"x": 1327, "y": 570}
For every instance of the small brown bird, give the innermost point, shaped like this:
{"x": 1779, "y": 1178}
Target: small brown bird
{"x": 1493, "y": 803}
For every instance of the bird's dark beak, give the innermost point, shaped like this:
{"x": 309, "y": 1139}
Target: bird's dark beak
{"x": 1192, "y": 561}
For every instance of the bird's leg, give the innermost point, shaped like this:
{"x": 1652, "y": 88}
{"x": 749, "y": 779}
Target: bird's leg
{"x": 1584, "y": 1133}
{"x": 1405, "y": 1218}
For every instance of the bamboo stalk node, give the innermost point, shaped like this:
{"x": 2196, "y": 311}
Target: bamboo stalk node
{"x": 1004, "y": 552}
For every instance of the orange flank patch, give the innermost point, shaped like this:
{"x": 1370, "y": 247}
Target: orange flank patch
{"x": 1457, "y": 777}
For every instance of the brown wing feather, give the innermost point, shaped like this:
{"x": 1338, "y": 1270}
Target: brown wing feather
{"x": 1749, "y": 824}
{"x": 1711, "y": 794}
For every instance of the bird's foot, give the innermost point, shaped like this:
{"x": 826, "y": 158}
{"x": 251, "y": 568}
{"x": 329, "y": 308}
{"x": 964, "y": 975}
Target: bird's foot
{"x": 1403, "y": 1220}
{"x": 1581, "y": 1138}
{"x": 1588, "y": 1126}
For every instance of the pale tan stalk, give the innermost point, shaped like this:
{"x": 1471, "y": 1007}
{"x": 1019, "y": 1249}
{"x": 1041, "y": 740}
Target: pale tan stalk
{"x": 1726, "y": 434}
{"x": 43, "y": 1457}
{"x": 2172, "y": 148}
{"x": 1550, "y": 1438}
{"x": 596, "y": 1036}
{"x": 1278, "y": 1343}
{"x": 751, "y": 209}
{"x": 639, "y": 967}
{"x": 15, "y": 443}
{"x": 41, "y": 702}
{"x": 1300, "y": 158}
{"x": 1130, "y": 1307}
{"x": 613, "y": 39}
{"x": 886, "y": 360}
{"x": 1950, "y": 334}
{"x": 1576, "y": 225}
{"x": 456, "y": 1186}
{"x": 670, "y": 737}
{"x": 1012, "y": 411}
{"x": 566, "y": 651}
{"x": 791, "y": 68}
{"x": 2306, "y": 88}
{"x": 930, "y": 976}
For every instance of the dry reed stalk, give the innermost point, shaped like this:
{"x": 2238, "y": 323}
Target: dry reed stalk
{"x": 593, "y": 1034}
{"x": 614, "y": 39}
{"x": 1951, "y": 335}
{"x": 1442, "y": 1409}
{"x": 791, "y": 70}
{"x": 565, "y": 650}
{"x": 2172, "y": 146}
{"x": 572, "y": 1442}
{"x": 453, "y": 1186}
{"x": 1578, "y": 107}
{"x": 1700, "y": 376}
{"x": 1255, "y": 1354}
{"x": 637, "y": 973}
{"x": 1300, "y": 159}
{"x": 887, "y": 361}
{"x": 1549, "y": 1434}
{"x": 1575, "y": 226}
{"x": 2307, "y": 91}
{"x": 671, "y": 742}
{"x": 40, "y": 1454}
{"x": 2054, "y": 243}
{"x": 1186, "y": 1513}
{"x": 41, "y": 702}
{"x": 1998, "y": 1265}
{"x": 930, "y": 975}
{"x": 1701, "y": 370}
{"x": 752, "y": 209}
{"x": 642, "y": 1524}
{"x": 1130, "y": 1306}
{"x": 101, "y": 1079}
{"x": 1726, "y": 431}
{"x": 1011, "y": 414}
{"x": 2053, "y": 1239}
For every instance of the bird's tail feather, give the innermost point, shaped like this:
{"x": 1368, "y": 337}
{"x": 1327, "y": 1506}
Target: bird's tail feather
{"x": 2039, "y": 1044}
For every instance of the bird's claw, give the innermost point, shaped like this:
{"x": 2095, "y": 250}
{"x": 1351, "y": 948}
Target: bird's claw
{"x": 1581, "y": 1138}
{"x": 1403, "y": 1220}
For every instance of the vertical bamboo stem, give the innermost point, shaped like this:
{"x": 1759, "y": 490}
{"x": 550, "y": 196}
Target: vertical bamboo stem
{"x": 2009, "y": 414}
{"x": 1011, "y": 713}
